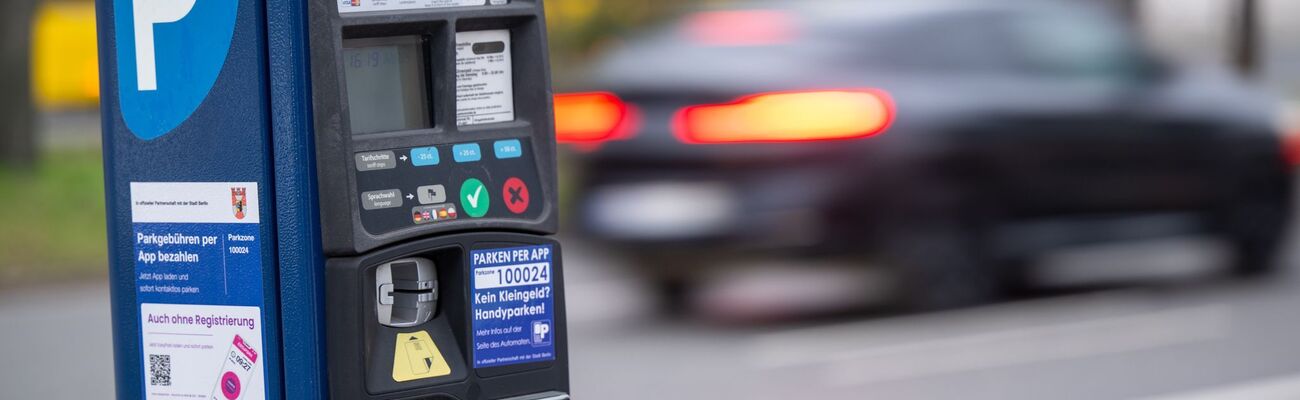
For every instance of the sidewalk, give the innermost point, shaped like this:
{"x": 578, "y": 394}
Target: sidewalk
{"x": 57, "y": 342}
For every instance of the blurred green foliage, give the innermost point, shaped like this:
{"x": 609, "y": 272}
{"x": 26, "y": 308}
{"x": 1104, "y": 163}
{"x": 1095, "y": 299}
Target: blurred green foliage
{"x": 53, "y": 219}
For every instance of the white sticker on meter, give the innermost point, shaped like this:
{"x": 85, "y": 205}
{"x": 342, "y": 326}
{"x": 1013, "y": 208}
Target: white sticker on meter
{"x": 351, "y": 6}
{"x": 484, "y": 92}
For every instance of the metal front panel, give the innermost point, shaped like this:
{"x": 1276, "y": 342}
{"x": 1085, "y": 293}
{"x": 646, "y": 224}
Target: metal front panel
{"x": 488, "y": 140}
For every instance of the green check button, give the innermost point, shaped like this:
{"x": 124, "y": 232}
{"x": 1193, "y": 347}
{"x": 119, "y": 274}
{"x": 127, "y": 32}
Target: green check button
{"x": 474, "y": 198}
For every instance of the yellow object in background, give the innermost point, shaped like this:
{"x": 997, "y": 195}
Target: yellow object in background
{"x": 65, "y": 67}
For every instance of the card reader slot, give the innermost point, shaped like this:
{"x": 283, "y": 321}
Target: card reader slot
{"x": 407, "y": 292}
{"x": 410, "y": 285}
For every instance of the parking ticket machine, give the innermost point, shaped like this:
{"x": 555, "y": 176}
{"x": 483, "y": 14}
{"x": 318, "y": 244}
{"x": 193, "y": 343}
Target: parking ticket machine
{"x": 436, "y": 170}
{"x": 347, "y": 199}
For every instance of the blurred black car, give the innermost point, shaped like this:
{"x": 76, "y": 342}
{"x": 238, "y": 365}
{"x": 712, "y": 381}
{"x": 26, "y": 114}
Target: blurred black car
{"x": 1011, "y": 128}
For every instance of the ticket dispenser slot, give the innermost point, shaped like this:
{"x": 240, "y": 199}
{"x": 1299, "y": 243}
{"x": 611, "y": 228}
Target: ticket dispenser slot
{"x": 435, "y": 146}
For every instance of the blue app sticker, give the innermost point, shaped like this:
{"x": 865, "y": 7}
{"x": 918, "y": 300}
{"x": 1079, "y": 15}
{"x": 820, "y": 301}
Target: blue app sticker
{"x": 513, "y": 306}
{"x": 169, "y": 54}
{"x": 199, "y": 286}
{"x": 211, "y": 269}
{"x": 197, "y": 243}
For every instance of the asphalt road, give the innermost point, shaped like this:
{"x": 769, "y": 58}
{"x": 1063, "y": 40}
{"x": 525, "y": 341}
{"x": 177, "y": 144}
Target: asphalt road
{"x": 1187, "y": 338}
{"x": 1180, "y": 335}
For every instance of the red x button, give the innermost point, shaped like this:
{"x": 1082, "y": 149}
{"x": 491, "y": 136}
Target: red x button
{"x": 515, "y": 194}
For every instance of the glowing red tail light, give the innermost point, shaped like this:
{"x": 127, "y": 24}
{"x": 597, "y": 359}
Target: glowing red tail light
{"x": 592, "y": 117}
{"x": 788, "y": 117}
{"x": 1291, "y": 148}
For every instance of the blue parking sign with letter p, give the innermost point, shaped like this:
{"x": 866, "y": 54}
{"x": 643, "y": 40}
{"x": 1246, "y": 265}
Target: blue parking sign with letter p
{"x": 169, "y": 54}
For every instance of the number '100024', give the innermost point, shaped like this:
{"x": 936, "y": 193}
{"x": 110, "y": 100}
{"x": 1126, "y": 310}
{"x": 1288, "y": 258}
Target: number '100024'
{"x": 539, "y": 273}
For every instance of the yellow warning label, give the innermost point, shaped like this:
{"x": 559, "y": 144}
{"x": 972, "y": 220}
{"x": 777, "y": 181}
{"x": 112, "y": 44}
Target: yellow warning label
{"x": 417, "y": 357}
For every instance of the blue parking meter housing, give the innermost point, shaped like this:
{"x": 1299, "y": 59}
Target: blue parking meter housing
{"x": 346, "y": 199}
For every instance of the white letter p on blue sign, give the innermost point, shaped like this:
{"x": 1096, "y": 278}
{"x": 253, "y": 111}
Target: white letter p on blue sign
{"x": 169, "y": 55}
{"x": 146, "y": 14}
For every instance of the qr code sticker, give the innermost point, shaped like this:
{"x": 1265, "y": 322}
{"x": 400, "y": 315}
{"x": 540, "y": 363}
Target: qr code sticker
{"x": 160, "y": 370}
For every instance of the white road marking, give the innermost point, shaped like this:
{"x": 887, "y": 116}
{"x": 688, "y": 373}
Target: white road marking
{"x": 847, "y": 362}
{"x": 1281, "y": 388}
{"x": 773, "y": 289}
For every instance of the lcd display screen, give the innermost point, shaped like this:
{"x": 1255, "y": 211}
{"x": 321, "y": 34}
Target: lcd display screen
{"x": 386, "y": 84}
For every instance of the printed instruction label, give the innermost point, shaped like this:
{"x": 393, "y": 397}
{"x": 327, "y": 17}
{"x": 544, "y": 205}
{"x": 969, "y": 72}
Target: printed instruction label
{"x": 513, "y": 306}
{"x": 351, "y": 6}
{"x": 484, "y": 81}
{"x": 198, "y": 267}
